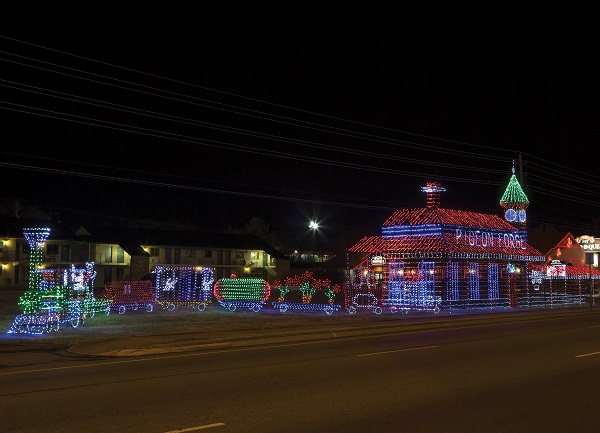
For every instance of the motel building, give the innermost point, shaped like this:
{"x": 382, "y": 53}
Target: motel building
{"x": 434, "y": 258}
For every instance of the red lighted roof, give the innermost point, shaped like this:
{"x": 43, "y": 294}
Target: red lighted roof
{"x": 403, "y": 244}
{"x": 431, "y": 215}
{"x": 442, "y": 244}
{"x": 579, "y": 272}
{"x": 521, "y": 249}
{"x": 447, "y": 243}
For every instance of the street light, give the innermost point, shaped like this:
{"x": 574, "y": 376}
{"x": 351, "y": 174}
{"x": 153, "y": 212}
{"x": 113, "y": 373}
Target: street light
{"x": 314, "y": 226}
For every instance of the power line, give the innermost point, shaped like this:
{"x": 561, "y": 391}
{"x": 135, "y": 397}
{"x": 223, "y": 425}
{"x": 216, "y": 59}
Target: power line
{"x": 153, "y": 114}
{"x": 535, "y": 181}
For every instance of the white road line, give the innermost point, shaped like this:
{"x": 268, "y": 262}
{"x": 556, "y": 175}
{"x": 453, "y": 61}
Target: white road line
{"x": 208, "y": 353}
{"x": 587, "y": 354}
{"x": 200, "y": 427}
{"x": 398, "y": 350}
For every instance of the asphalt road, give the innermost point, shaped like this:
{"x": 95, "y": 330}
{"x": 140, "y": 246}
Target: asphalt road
{"x": 527, "y": 374}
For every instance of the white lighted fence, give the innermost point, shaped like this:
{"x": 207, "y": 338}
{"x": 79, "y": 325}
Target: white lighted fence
{"x": 469, "y": 286}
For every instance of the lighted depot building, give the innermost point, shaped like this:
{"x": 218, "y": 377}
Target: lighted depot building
{"x": 431, "y": 258}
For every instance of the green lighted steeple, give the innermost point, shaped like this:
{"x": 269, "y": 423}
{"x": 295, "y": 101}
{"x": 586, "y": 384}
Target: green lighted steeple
{"x": 514, "y": 201}
{"x": 513, "y": 195}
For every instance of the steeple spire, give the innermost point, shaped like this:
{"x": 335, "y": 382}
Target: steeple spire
{"x": 514, "y": 201}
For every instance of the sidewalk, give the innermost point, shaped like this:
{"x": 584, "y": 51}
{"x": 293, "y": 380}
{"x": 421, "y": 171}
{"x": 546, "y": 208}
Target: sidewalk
{"x": 162, "y": 332}
{"x": 366, "y": 324}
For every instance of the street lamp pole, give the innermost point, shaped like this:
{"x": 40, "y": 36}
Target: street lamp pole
{"x": 313, "y": 226}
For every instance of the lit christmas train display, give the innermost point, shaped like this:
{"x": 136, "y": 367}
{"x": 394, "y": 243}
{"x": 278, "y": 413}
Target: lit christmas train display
{"x": 426, "y": 259}
{"x": 170, "y": 286}
{"x": 55, "y": 296}
{"x": 242, "y": 292}
{"x": 130, "y": 295}
{"x": 183, "y": 286}
{"x": 308, "y": 286}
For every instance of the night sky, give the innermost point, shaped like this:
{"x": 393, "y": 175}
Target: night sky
{"x": 213, "y": 116}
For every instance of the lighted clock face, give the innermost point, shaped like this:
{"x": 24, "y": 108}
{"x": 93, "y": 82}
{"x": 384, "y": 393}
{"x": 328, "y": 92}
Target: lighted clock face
{"x": 521, "y": 216}
{"x": 510, "y": 215}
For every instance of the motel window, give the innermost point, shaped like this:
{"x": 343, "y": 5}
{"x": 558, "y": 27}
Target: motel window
{"x": 208, "y": 254}
{"x": 107, "y": 254}
{"x": 65, "y": 253}
{"x": 120, "y": 255}
{"x": 52, "y": 249}
{"x": 155, "y": 252}
{"x": 107, "y": 275}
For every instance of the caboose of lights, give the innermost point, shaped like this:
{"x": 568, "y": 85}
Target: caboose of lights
{"x": 432, "y": 257}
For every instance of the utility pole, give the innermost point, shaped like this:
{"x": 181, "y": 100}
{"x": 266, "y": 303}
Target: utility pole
{"x": 521, "y": 169}
{"x": 313, "y": 226}
{"x": 589, "y": 259}
{"x": 313, "y": 247}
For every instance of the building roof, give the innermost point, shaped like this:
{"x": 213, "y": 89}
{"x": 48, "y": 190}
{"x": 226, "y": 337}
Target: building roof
{"x": 133, "y": 239}
{"x": 582, "y": 271}
{"x": 438, "y": 231}
{"x": 574, "y": 272}
{"x": 447, "y": 245}
{"x": 433, "y": 215}
{"x": 182, "y": 238}
{"x": 546, "y": 241}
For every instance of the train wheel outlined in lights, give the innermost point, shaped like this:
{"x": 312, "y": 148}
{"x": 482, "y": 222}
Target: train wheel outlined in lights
{"x": 521, "y": 216}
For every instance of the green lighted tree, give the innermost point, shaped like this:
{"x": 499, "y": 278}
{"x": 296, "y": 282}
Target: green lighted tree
{"x": 331, "y": 291}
